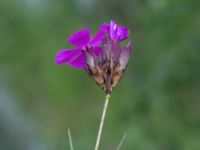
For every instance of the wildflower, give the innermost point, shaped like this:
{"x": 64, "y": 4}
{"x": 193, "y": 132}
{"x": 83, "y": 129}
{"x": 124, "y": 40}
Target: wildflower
{"x": 102, "y": 57}
{"x": 76, "y": 58}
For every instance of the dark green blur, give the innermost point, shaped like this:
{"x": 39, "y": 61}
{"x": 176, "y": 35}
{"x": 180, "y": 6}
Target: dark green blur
{"x": 157, "y": 103}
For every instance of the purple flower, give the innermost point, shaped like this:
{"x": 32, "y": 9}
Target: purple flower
{"x": 102, "y": 56}
{"x": 76, "y": 58}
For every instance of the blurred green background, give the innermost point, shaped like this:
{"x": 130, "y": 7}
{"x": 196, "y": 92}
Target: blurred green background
{"x": 157, "y": 103}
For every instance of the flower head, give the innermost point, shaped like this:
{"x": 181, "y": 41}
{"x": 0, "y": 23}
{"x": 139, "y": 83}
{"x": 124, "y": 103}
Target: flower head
{"x": 102, "y": 56}
{"x": 76, "y": 58}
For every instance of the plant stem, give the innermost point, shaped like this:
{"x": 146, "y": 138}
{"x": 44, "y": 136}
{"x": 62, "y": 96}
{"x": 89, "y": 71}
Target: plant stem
{"x": 70, "y": 140}
{"x": 121, "y": 142}
{"x": 102, "y": 122}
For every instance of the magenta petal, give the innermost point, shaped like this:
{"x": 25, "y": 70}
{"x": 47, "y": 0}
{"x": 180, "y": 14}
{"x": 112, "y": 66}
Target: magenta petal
{"x": 122, "y": 33}
{"x": 97, "y": 51}
{"x": 80, "y": 38}
{"x": 64, "y": 56}
{"x": 118, "y": 33}
{"x": 97, "y": 39}
{"x": 79, "y": 62}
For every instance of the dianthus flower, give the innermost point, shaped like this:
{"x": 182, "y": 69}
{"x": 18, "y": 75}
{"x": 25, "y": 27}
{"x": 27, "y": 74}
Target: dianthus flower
{"x": 101, "y": 57}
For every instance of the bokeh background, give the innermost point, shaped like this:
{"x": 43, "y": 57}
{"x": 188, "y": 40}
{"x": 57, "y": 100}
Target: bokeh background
{"x": 157, "y": 103}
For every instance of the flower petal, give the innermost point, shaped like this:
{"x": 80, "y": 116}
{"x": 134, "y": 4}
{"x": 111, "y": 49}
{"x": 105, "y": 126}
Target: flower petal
{"x": 118, "y": 33}
{"x": 79, "y": 62}
{"x": 97, "y": 51}
{"x": 116, "y": 50}
{"x": 125, "y": 55}
{"x": 97, "y": 39}
{"x": 80, "y": 38}
{"x": 64, "y": 56}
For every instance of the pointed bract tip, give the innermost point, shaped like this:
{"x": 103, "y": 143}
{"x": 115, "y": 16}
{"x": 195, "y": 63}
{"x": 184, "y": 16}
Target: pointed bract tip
{"x": 125, "y": 55}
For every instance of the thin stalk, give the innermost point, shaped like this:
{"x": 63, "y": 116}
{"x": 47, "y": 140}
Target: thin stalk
{"x": 102, "y": 122}
{"x": 70, "y": 140}
{"x": 121, "y": 142}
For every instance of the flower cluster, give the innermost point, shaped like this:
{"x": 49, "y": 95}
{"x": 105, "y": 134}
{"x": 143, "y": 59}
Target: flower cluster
{"x": 101, "y": 57}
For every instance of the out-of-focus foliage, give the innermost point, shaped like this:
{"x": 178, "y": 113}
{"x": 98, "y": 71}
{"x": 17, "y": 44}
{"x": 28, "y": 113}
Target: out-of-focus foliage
{"x": 157, "y": 103}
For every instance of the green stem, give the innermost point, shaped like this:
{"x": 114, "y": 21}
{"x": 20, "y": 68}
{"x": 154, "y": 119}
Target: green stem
{"x": 70, "y": 140}
{"x": 102, "y": 122}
